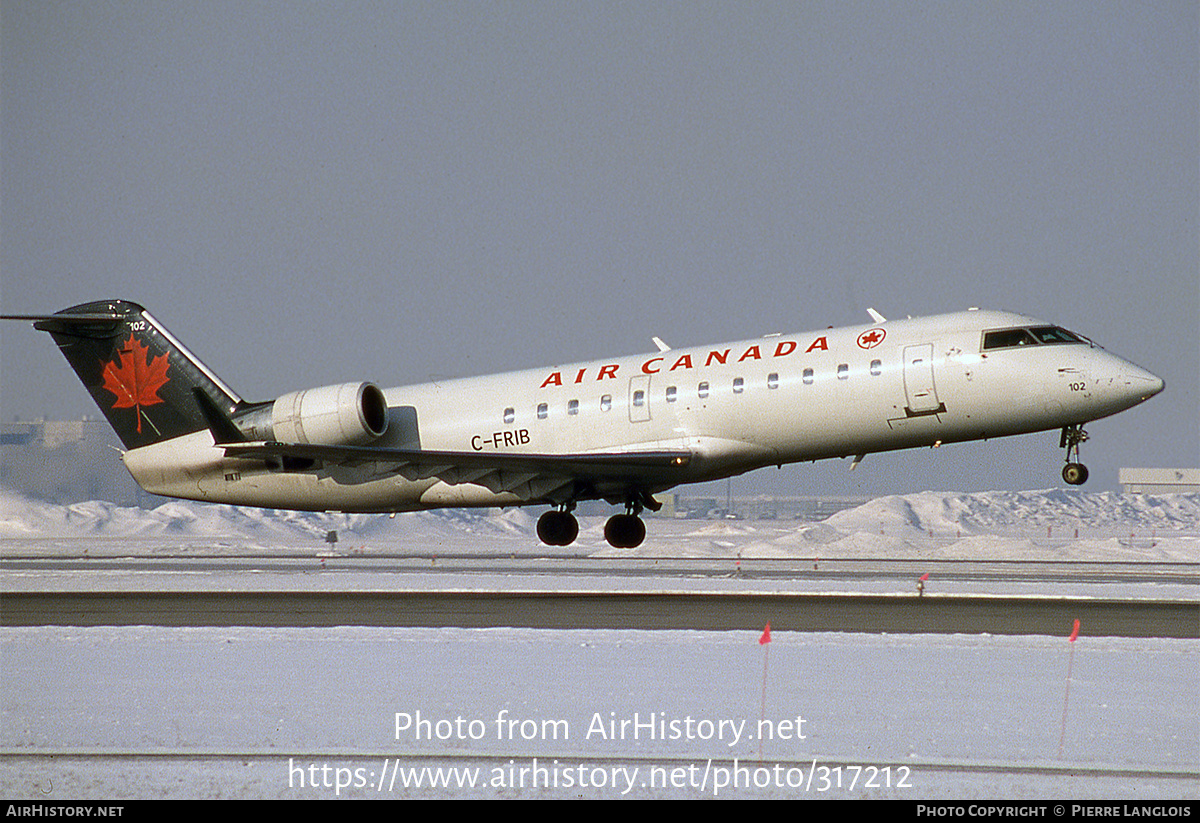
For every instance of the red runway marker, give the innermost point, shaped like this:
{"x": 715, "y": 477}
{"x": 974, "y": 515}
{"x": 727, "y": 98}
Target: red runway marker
{"x": 1062, "y": 736}
{"x": 764, "y": 640}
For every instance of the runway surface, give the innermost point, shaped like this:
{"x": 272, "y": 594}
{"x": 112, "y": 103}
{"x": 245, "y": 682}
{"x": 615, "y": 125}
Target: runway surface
{"x": 907, "y": 614}
{"x": 539, "y": 562}
{"x": 994, "y": 597}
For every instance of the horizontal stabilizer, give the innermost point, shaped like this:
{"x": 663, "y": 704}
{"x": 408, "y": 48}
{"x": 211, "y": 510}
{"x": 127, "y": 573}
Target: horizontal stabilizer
{"x": 66, "y": 319}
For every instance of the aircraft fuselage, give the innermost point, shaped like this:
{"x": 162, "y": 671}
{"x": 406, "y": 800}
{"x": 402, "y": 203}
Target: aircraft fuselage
{"x": 732, "y": 408}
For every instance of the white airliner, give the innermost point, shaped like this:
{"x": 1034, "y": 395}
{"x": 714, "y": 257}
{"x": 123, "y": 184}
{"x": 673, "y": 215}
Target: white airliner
{"x": 620, "y": 430}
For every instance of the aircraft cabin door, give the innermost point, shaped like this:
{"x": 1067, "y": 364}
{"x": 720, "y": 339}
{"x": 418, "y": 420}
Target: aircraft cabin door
{"x": 919, "y": 388}
{"x": 639, "y": 398}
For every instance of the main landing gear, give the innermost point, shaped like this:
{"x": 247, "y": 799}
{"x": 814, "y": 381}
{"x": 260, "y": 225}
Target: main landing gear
{"x": 625, "y": 531}
{"x": 1074, "y": 473}
{"x": 558, "y": 527}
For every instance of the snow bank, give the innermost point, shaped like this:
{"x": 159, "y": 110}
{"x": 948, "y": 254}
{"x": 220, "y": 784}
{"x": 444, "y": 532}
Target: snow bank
{"x": 1009, "y": 513}
{"x": 1049, "y": 524}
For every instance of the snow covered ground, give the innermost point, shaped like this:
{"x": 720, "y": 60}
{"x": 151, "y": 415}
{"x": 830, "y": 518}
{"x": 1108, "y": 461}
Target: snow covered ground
{"x": 1040, "y": 525}
{"x": 359, "y": 712}
{"x": 233, "y": 712}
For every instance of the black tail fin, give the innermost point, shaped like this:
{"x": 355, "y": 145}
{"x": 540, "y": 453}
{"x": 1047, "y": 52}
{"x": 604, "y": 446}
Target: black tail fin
{"x": 147, "y": 384}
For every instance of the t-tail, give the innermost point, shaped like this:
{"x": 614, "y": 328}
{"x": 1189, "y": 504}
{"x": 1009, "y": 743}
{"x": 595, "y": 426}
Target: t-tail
{"x": 145, "y": 382}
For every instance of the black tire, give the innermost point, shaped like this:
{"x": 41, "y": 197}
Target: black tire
{"x": 1075, "y": 474}
{"x": 555, "y": 528}
{"x": 570, "y": 529}
{"x": 625, "y": 531}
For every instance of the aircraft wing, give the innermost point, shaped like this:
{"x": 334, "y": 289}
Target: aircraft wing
{"x": 529, "y": 476}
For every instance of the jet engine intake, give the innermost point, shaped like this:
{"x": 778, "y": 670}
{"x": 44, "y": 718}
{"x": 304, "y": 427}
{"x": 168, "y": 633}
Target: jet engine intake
{"x": 343, "y": 415}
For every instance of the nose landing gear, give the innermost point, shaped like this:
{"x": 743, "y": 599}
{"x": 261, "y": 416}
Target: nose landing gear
{"x": 1074, "y": 473}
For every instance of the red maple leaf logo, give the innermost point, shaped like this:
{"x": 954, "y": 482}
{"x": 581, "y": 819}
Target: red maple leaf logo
{"x": 871, "y": 339}
{"x": 134, "y": 378}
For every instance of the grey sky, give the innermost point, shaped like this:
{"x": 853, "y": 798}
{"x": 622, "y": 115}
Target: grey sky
{"x": 313, "y": 193}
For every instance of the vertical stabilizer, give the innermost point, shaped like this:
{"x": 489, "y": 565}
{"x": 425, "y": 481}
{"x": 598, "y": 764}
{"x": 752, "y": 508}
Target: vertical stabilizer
{"x": 144, "y": 381}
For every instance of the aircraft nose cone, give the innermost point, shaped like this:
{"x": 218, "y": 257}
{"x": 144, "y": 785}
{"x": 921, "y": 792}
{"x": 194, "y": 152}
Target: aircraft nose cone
{"x": 1121, "y": 385}
{"x": 1135, "y": 384}
{"x": 1145, "y": 384}
{"x": 1158, "y": 385}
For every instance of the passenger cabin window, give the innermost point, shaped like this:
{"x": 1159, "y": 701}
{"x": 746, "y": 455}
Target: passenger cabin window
{"x": 843, "y": 371}
{"x": 639, "y": 398}
{"x": 738, "y": 385}
{"x": 572, "y": 407}
{"x": 808, "y": 377}
{"x": 773, "y": 380}
{"x": 876, "y": 367}
{"x": 606, "y": 402}
{"x": 672, "y": 392}
{"x": 543, "y": 411}
{"x": 702, "y": 390}
{"x": 509, "y": 415}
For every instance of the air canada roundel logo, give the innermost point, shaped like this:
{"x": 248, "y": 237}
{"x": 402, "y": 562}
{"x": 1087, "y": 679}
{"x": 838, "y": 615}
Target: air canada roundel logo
{"x": 871, "y": 339}
{"x": 135, "y": 378}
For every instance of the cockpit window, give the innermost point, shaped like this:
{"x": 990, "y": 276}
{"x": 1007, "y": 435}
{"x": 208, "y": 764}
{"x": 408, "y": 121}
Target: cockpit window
{"x": 1035, "y": 336}
{"x": 1007, "y": 339}
{"x": 1053, "y": 334}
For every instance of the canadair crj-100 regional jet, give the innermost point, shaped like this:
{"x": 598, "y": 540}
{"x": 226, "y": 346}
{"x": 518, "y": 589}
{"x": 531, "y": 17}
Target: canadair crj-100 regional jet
{"x": 620, "y": 430}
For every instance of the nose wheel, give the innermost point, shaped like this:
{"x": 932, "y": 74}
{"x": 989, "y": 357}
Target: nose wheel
{"x": 1074, "y": 473}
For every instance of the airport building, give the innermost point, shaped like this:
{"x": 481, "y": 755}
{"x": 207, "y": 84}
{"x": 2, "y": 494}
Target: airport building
{"x": 1159, "y": 481}
{"x": 67, "y": 461}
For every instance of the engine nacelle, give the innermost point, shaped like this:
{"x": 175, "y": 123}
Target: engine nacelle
{"x": 330, "y": 416}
